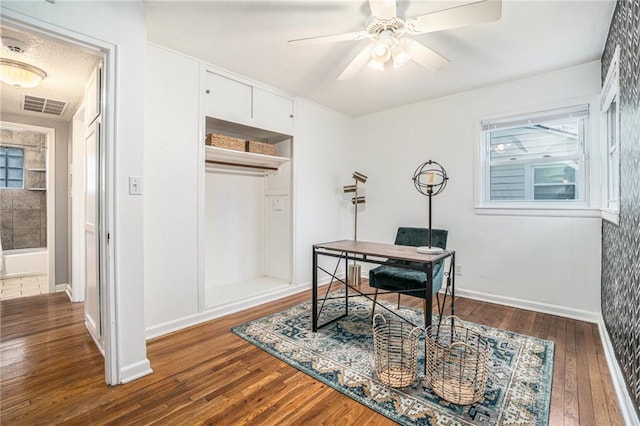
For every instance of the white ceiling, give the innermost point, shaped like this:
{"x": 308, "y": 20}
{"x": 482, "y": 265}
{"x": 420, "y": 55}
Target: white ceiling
{"x": 67, "y": 66}
{"x": 250, "y": 38}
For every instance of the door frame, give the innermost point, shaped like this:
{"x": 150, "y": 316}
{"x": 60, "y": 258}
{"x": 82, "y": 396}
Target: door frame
{"x": 50, "y": 182}
{"x": 106, "y": 158}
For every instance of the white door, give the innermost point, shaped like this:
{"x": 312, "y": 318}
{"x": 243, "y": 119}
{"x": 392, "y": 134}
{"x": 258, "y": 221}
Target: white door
{"x": 77, "y": 206}
{"x": 91, "y": 223}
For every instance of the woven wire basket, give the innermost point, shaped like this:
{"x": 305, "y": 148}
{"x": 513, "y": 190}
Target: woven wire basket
{"x": 395, "y": 351}
{"x": 456, "y": 362}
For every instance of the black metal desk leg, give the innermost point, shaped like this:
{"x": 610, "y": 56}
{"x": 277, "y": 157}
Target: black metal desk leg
{"x": 429, "y": 312}
{"x": 453, "y": 284}
{"x": 314, "y": 294}
{"x": 346, "y": 283}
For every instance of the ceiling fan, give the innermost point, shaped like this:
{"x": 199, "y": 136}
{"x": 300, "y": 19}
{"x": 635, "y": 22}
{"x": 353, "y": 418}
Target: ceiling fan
{"x": 388, "y": 32}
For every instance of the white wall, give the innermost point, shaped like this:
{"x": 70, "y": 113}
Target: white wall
{"x": 234, "y": 228}
{"x": 324, "y": 159}
{"x": 544, "y": 260}
{"x": 122, "y": 24}
{"x": 171, "y": 187}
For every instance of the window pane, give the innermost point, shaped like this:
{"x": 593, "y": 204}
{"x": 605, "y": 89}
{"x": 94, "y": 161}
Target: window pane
{"x": 11, "y": 167}
{"x": 611, "y": 124}
{"x": 507, "y": 182}
{"x": 555, "y": 192}
{"x": 15, "y": 162}
{"x": 560, "y": 173}
{"x": 536, "y": 141}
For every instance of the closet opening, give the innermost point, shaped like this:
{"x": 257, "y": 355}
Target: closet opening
{"x": 248, "y": 220}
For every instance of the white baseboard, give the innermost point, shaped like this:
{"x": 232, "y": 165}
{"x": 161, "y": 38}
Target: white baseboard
{"x": 625, "y": 403}
{"x": 546, "y": 308}
{"x": 61, "y": 287}
{"x": 135, "y": 371}
{"x": 222, "y": 310}
{"x": 69, "y": 290}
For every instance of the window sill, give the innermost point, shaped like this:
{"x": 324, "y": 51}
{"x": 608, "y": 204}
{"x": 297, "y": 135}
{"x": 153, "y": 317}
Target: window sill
{"x": 533, "y": 210}
{"x": 612, "y": 216}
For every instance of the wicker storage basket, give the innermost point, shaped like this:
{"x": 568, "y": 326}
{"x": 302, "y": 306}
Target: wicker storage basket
{"x": 261, "y": 148}
{"x": 395, "y": 351}
{"x": 228, "y": 142}
{"x": 456, "y": 362}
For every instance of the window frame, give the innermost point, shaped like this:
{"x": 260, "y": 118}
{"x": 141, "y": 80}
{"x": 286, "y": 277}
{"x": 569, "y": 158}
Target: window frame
{"x": 575, "y": 208}
{"x": 5, "y": 178}
{"x": 610, "y": 153}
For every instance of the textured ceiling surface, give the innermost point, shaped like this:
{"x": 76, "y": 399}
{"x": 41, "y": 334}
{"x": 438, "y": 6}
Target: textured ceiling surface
{"x": 67, "y": 66}
{"x": 250, "y": 38}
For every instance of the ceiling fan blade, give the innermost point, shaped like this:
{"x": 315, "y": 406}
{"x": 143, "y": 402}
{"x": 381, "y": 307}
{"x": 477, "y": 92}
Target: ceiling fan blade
{"x": 424, "y": 56}
{"x": 356, "y": 35}
{"x": 456, "y": 17}
{"x": 383, "y": 9}
{"x": 357, "y": 64}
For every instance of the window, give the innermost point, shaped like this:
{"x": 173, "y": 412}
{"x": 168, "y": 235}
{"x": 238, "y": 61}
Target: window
{"x": 534, "y": 159}
{"x": 610, "y": 140}
{"x": 11, "y": 167}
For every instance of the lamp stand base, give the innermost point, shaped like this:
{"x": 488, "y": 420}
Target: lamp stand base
{"x": 429, "y": 250}
{"x": 354, "y": 275}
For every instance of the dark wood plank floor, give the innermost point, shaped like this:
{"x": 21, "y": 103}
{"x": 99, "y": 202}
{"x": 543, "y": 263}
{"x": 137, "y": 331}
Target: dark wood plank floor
{"x": 51, "y": 373}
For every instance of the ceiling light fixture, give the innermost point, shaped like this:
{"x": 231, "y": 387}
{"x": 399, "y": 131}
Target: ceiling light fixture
{"x": 400, "y": 56}
{"x": 20, "y": 74}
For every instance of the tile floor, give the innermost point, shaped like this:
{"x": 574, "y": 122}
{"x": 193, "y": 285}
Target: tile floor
{"x": 30, "y": 285}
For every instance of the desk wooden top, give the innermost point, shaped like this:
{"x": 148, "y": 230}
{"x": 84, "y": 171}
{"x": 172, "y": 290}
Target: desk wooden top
{"x": 390, "y": 251}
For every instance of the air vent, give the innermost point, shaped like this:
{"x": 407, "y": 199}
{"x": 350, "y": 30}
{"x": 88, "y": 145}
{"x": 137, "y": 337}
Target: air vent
{"x": 47, "y": 106}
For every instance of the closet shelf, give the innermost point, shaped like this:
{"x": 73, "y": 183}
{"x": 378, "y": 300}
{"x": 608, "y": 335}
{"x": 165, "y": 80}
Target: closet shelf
{"x": 37, "y": 189}
{"x": 229, "y": 157}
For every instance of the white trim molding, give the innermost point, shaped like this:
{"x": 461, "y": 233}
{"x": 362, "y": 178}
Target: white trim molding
{"x": 222, "y": 310}
{"x": 529, "y": 305}
{"x": 625, "y": 403}
{"x": 131, "y": 372}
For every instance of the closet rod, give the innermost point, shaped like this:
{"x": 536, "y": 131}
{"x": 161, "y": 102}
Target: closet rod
{"x": 226, "y": 163}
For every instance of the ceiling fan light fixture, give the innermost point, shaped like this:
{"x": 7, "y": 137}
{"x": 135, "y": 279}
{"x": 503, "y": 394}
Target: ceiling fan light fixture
{"x": 400, "y": 56}
{"x": 19, "y": 74}
{"x": 376, "y": 65}
{"x": 381, "y": 52}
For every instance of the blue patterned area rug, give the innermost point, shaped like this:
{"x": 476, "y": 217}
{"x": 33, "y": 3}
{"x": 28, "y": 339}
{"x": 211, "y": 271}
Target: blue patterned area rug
{"x": 341, "y": 355}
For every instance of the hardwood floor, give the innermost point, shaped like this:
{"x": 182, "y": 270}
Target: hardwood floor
{"x": 51, "y": 373}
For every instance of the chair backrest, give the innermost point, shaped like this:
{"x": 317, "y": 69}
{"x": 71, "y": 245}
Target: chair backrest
{"x": 417, "y": 237}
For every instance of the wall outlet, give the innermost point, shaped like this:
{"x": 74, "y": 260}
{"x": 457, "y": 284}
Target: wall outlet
{"x": 458, "y": 269}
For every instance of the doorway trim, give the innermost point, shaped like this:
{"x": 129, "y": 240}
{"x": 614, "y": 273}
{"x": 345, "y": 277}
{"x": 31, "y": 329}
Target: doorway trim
{"x": 106, "y": 164}
{"x": 50, "y": 182}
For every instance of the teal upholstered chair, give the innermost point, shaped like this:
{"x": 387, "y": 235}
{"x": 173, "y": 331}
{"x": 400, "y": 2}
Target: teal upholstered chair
{"x": 390, "y": 278}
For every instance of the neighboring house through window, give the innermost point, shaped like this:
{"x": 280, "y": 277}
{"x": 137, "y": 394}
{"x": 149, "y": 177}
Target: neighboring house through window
{"x": 11, "y": 167}
{"x": 535, "y": 159}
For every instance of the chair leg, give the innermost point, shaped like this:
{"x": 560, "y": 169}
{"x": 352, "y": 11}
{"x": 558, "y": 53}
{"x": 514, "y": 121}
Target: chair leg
{"x": 373, "y": 308}
{"x": 398, "y": 300}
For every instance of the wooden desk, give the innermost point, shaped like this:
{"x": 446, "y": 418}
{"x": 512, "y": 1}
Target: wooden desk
{"x": 376, "y": 253}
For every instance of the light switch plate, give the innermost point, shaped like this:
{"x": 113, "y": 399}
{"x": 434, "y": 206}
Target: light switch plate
{"x": 277, "y": 204}
{"x": 135, "y": 185}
